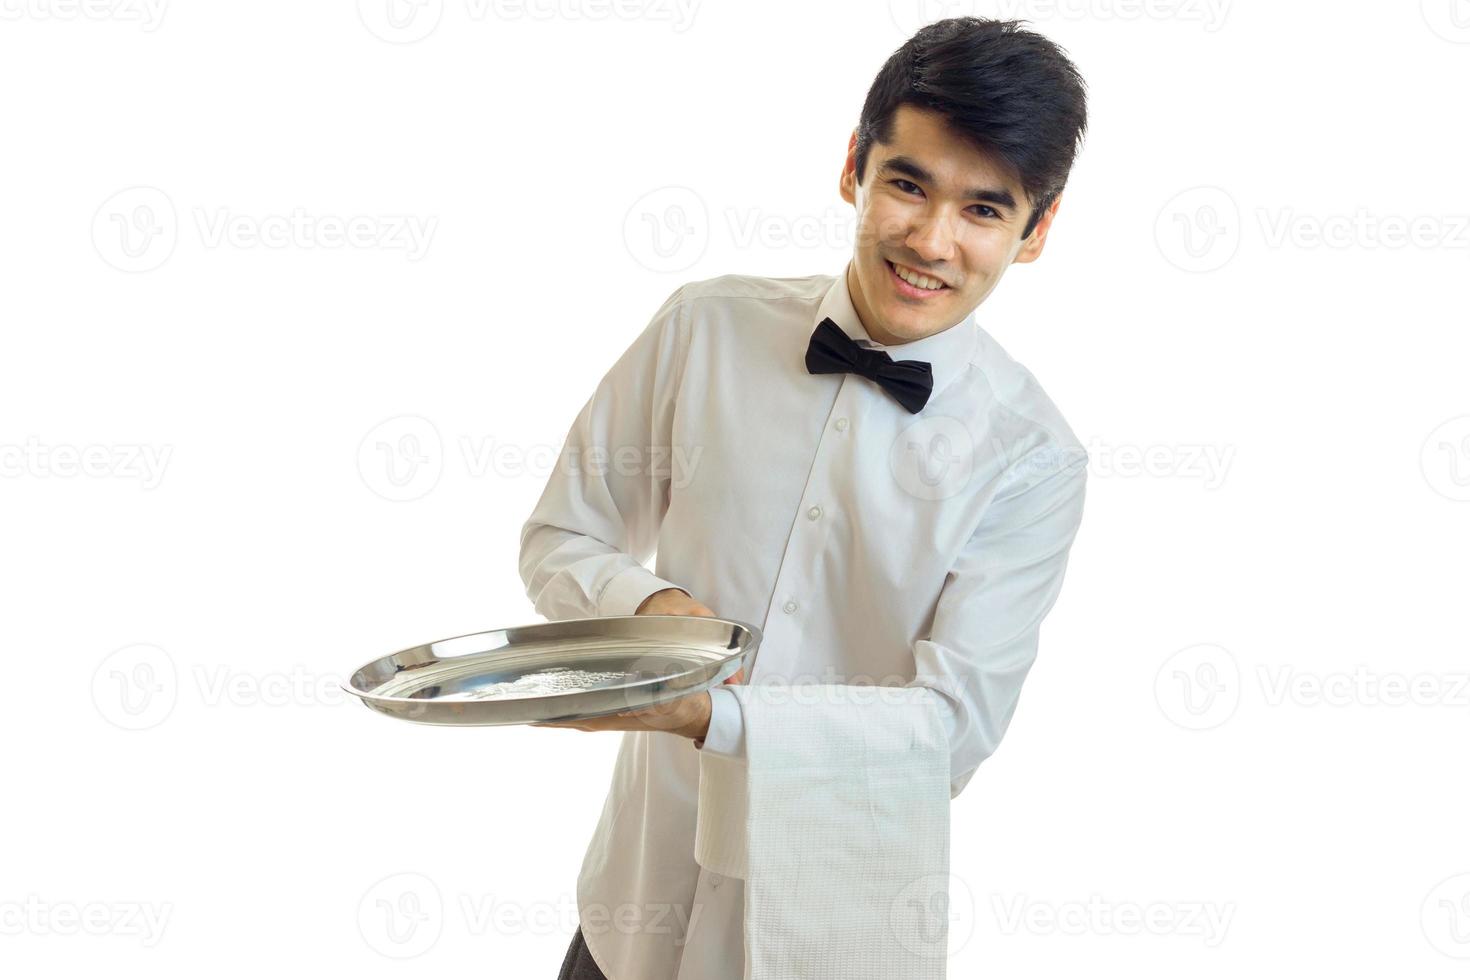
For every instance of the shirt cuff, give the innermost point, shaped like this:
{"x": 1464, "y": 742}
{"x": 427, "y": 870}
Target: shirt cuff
{"x": 726, "y": 735}
{"x": 625, "y": 591}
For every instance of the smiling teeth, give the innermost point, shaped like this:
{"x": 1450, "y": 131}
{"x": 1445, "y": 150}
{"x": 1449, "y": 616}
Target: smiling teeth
{"x": 914, "y": 279}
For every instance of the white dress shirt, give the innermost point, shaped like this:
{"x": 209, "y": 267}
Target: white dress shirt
{"x": 869, "y": 544}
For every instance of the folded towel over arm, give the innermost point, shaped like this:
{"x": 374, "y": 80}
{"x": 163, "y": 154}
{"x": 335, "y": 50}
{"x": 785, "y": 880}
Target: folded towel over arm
{"x": 838, "y": 822}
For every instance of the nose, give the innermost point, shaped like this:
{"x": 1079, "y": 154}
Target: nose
{"x": 933, "y": 238}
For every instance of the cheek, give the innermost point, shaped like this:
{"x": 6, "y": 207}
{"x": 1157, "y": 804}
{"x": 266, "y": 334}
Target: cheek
{"x": 882, "y": 219}
{"x": 986, "y": 251}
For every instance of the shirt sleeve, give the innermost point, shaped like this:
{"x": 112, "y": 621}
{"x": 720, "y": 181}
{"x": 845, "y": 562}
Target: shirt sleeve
{"x": 726, "y": 735}
{"x": 987, "y": 623}
{"x": 584, "y": 546}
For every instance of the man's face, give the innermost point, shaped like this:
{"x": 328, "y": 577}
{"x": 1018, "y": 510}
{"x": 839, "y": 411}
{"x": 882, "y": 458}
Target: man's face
{"x": 934, "y": 204}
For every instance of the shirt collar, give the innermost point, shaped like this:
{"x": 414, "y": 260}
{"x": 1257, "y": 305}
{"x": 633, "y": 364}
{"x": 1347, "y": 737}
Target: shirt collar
{"x": 948, "y": 352}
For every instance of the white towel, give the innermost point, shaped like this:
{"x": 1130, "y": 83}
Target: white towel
{"x": 838, "y": 821}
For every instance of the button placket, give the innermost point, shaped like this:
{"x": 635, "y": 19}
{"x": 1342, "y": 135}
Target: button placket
{"x": 784, "y": 597}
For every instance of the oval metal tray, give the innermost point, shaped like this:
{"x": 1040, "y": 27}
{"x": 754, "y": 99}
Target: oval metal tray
{"x": 560, "y": 671}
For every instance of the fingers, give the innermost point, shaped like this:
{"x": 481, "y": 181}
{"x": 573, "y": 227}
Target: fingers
{"x": 673, "y": 602}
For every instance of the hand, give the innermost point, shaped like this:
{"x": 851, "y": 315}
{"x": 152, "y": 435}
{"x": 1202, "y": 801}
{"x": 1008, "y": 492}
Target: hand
{"x": 673, "y": 602}
{"x": 687, "y": 716}
{"x": 677, "y": 602}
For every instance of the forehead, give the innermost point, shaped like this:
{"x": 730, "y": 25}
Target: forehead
{"x": 923, "y": 136}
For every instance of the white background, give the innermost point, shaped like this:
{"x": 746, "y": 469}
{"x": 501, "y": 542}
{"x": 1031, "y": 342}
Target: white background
{"x": 1270, "y": 378}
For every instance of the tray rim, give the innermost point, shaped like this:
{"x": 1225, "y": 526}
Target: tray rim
{"x": 346, "y": 685}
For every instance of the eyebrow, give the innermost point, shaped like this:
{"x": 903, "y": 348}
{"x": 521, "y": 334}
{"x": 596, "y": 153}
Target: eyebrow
{"x": 910, "y": 168}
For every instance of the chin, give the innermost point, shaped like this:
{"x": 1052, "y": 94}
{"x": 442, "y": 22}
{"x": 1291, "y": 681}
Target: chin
{"x": 905, "y": 332}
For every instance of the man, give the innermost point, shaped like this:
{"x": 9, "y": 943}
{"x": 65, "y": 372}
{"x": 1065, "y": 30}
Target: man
{"x": 848, "y": 461}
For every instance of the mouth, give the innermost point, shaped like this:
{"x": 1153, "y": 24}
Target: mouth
{"x": 906, "y": 288}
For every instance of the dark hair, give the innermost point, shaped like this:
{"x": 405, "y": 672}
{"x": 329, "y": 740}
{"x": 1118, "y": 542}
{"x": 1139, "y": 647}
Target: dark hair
{"x": 1009, "y": 92}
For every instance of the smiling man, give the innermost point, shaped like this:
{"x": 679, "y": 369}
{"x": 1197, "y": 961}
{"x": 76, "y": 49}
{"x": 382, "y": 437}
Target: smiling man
{"x": 879, "y": 486}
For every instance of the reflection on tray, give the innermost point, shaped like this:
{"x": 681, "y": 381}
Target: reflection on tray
{"x": 558, "y": 680}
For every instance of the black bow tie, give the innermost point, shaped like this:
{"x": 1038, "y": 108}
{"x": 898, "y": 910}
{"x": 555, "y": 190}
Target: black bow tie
{"x": 831, "y": 352}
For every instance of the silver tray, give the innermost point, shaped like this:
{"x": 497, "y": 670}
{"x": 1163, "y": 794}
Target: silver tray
{"x": 561, "y": 671}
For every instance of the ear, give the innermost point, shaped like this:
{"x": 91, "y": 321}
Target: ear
{"x": 1031, "y": 248}
{"x": 847, "y": 183}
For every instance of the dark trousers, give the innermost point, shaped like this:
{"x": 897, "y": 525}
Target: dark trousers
{"x": 579, "y": 965}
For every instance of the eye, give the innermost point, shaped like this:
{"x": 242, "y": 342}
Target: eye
{"x": 905, "y": 185}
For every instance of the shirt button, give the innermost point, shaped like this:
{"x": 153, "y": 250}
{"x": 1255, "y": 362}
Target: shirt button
{"x": 814, "y": 513}
{"x": 790, "y": 606}
{"x": 841, "y": 425}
